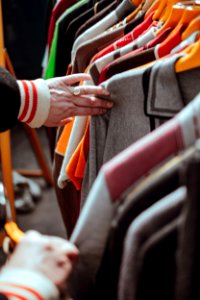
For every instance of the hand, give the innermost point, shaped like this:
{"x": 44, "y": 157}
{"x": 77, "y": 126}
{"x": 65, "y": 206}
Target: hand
{"x": 65, "y": 104}
{"x": 52, "y": 257}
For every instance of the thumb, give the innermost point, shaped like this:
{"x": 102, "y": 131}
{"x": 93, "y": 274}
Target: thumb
{"x": 71, "y": 251}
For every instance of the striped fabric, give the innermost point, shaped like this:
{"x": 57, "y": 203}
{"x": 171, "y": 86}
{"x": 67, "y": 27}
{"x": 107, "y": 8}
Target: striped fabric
{"x": 28, "y": 101}
{"x": 22, "y": 284}
{"x": 35, "y": 102}
{"x": 14, "y": 291}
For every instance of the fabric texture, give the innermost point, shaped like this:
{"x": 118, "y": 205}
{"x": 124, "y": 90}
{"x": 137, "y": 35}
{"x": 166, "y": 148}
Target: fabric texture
{"x": 133, "y": 59}
{"x": 159, "y": 255}
{"x": 97, "y": 17}
{"x": 126, "y": 39}
{"x": 128, "y": 91}
{"x": 68, "y": 198}
{"x": 170, "y": 138}
{"x": 145, "y": 225}
{"x": 97, "y": 66}
{"x": 86, "y": 50}
{"x": 188, "y": 244}
{"x": 137, "y": 199}
{"x": 119, "y": 13}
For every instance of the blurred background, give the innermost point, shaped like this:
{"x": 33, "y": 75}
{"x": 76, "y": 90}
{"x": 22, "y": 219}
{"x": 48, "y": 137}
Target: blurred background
{"x": 25, "y": 25}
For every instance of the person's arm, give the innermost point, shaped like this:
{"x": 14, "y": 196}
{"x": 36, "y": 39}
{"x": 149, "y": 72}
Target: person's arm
{"x": 38, "y": 269}
{"x": 10, "y": 100}
{"x": 47, "y": 102}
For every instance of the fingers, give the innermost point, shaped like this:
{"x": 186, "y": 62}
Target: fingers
{"x": 75, "y": 78}
{"x": 92, "y": 102}
{"x": 90, "y": 90}
{"x": 80, "y": 106}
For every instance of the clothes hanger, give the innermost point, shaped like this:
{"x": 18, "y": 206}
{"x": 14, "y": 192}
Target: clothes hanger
{"x": 166, "y": 13}
{"x": 192, "y": 27}
{"x": 181, "y": 16}
{"x": 191, "y": 11}
{"x": 159, "y": 11}
{"x": 174, "y": 16}
{"x": 181, "y": 13}
{"x": 153, "y": 7}
{"x": 184, "y": 45}
{"x": 190, "y": 60}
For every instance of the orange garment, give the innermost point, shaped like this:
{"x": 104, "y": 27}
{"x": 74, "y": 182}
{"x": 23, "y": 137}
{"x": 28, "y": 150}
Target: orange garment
{"x": 63, "y": 140}
{"x": 76, "y": 166}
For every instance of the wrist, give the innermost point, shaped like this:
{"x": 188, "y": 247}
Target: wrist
{"x": 27, "y": 284}
{"x": 35, "y": 102}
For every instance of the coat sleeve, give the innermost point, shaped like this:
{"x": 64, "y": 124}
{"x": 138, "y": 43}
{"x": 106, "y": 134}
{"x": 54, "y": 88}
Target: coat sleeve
{"x": 9, "y": 100}
{"x": 19, "y": 283}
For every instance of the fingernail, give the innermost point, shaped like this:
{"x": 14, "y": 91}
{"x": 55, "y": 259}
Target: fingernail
{"x": 109, "y": 104}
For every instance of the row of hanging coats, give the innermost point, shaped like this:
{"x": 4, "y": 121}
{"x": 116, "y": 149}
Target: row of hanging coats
{"x": 127, "y": 182}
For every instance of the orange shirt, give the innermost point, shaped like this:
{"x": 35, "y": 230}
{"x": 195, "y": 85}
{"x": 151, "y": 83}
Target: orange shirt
{"x": 62, "y": 143}
{"x": 76, "y": 166}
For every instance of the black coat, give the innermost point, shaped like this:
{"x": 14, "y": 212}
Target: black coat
{"x": 10, "y": 100}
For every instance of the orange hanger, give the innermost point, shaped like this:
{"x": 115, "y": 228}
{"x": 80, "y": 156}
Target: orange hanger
{"x": 153, "y": 7}
{"x": 166, "y": 13}
{"x": 174, "y": 16}
{"x": 190, "y": 60}
{"x": 191, "y": 11}
{"x": 162, "y": 6}
{"x": 132, "y": 15}
{"x": 192, "y": 27}
{"x": 182, "y": 14}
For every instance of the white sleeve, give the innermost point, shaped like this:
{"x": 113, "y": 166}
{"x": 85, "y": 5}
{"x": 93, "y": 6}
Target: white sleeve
{"x": 35, "y": 102}
{"x": 16, "y": 283}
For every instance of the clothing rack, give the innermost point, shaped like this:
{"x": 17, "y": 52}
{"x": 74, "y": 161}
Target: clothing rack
{"x": 5, "y": 145}
{"x": 124, "y": 191}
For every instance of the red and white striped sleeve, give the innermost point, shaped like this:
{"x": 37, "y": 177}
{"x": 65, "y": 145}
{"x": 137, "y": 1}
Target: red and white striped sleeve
{"x": 35, "y": 102}
{"x": 21, "y": 284}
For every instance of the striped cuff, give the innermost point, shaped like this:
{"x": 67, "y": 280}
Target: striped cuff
{"x": 26, "y": 285}
{"x": 35, "y": 102}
